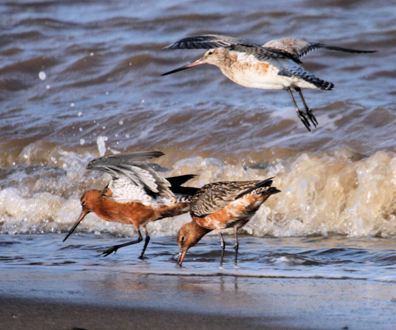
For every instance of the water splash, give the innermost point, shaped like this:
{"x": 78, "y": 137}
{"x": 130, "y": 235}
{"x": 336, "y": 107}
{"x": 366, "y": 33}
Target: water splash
{"x": 322, "y": 194}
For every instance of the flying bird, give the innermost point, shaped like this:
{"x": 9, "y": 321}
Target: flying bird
{"x": 274, "y": 65}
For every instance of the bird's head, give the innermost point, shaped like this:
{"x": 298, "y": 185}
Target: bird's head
{"x": 213, "y": 56}
{"x": 88, "y": 201}
{"x": 189, "y": 235}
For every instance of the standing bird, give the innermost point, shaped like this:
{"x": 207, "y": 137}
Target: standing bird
{"x": 274, "y": 65}
{"x": 136, "y": 195}
{"x": 222, "y": 205}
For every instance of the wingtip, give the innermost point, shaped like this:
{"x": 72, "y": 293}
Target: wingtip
{"x": 123, "y": 158}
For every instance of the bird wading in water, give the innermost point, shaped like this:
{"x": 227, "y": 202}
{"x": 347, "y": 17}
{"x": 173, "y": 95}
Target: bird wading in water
{"x": 136, "y": 195}
{"x": 222, "y": 205}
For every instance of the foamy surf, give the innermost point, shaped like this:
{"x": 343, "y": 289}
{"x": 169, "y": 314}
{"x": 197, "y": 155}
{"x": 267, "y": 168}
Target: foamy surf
{"x": 322, "y": 193}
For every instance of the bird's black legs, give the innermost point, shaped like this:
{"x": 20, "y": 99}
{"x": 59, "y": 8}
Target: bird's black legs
{"x": 114, "y": 248}
{"x": 146, "y": 241}
{"x": 300, "y": 113}
{"x": 236, "y": 245}
{"x": 308, "y": 111}
{"x": 223, "y": 245}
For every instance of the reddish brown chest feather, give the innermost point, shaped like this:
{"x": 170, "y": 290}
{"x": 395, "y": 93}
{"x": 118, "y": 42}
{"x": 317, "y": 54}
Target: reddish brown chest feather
{"x": 136, "y": 213}
{"x": 129, "y": 213}
{"x": 235, "y": 213}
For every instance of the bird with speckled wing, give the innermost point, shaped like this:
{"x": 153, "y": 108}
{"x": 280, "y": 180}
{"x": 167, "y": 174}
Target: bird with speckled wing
{"x": 222, "y": 205}
{"x": 274, "y": 65}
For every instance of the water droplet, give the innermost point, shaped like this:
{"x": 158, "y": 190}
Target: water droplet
{"x": 82, "y": 141}
{"x": 48, "y": 86}
{"x": 79, "y": 114}
{"x": 101, "y": 142}
{"x": 121, "y": 122}
{"x": 72, "y": 105}
{"x": 42, "y": 75}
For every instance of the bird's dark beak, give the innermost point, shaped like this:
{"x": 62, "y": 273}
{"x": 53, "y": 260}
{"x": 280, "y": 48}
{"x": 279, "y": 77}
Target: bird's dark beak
{"x": 83, "y": 214}
{"x": 187, "y": 66}
{"x": 182, "y": 255}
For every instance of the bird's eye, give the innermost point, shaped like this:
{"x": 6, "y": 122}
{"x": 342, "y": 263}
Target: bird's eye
{"x": 182, "y": 239}
{"x": 210, "y": 52}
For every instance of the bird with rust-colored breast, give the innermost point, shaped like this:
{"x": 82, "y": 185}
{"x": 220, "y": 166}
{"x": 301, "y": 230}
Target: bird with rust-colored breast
{"x": 222, "y": 205}
{"x": 274, "y": 65}
{"x": 136, "y": 195}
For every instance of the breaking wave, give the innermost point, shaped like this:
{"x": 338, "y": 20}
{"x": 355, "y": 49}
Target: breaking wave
{"x": 322, "y": 193}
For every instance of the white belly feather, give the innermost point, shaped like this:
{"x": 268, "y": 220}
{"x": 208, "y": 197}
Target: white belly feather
{"x": 249, "y": 72}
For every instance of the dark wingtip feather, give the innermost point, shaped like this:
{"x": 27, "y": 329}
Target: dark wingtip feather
{"x": 346, "y": 50}
{"x": 176, "y": 181}
{"x": 265, "y": 183}
{"x": 273, "y": 190}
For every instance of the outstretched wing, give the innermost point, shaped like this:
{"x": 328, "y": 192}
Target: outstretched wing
{"x": 133, "y": 179}
{"x": 215, "y": 196}
{"x": 301, "y": 47}
{"x": 209, "y": 41}
{"x": 206, "y": 41}
{"x": 123, "y": 159}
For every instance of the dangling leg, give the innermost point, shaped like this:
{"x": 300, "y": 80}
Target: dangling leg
{"x": 146, "y": 241}
{"x": 114, "y": 248}
{"x": 308, "y": 111}
{"x": 236, "y": 245}
{"x": 300, "y": 114}
{"x": 223, "y": 245}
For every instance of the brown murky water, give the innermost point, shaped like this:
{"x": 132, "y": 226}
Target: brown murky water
{"x": 80, "y": 78}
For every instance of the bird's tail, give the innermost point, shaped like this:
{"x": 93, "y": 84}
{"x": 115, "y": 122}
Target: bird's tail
{"x": 300, "y": 72}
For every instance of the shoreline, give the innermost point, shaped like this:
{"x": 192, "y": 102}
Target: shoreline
{"x": 23, "y": 313}
{"x": 40, "y": 297}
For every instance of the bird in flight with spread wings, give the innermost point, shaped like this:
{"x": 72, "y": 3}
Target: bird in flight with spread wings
{"x": 274, "y": 65}
{"x": 136, "y": 194}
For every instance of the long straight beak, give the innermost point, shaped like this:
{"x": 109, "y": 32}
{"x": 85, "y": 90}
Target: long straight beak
{"x": 182, "y": 255}
{"x": 83, "y": 214}
{"x": 187, "y": 66}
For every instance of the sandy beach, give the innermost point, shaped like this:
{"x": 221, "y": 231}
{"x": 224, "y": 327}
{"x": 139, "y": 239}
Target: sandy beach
{"x": 48, "y": 299}
{"x": 82, "y": 79}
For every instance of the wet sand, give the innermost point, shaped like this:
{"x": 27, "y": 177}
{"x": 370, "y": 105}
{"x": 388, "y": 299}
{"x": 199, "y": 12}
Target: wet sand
{"x": 44, "y": 314}
{"x": 42, "y": 298}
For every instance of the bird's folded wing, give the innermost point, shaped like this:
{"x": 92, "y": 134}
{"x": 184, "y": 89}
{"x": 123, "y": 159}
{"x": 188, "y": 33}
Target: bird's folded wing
{"x": 215, "y": 196}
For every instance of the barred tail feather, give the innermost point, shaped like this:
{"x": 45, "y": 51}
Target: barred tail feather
{"x": 299, "y": 72}
{"x": 322, "y": 84}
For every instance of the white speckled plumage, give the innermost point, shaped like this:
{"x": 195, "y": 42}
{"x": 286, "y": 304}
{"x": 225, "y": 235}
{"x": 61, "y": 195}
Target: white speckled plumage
{"x": 274, "y": 65}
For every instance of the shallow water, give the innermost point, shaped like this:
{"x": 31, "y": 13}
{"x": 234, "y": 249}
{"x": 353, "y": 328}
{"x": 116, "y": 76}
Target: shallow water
{"x": 312, "y": 258}
{"x": 78, "y": 79}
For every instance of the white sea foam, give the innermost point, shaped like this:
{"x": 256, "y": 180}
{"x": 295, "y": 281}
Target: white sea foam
{"x": 321, "y": 194}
